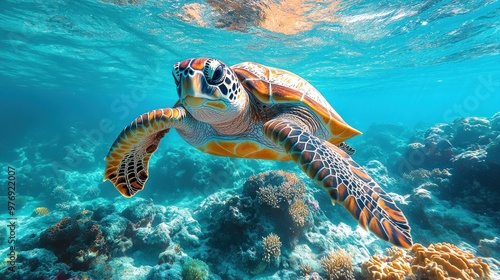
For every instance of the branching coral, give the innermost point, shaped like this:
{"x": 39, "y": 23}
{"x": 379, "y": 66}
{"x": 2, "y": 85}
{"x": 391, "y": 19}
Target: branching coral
{"x": 269, "y": 196}
{"x": 446, "y": 261}
{"x": 299, "y": 211}
{"x": 417, "y": 176}
{"x": 290, "y": 190}
{"x": 306, "y": 270}
{"x": 338, "y": 265}
{"x": 272, "y": 246}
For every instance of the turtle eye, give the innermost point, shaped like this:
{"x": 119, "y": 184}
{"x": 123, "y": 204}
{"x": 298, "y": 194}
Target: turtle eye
{"x": 214, "y": 72}
{"x": 217, "y": 76}
{"x": 176, "y": 73}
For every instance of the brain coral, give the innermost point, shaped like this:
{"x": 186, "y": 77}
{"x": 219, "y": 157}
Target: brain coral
{"x": 439, "y": 261}
{"x": 446, "y": 261}
{"x": 392, "y": 266}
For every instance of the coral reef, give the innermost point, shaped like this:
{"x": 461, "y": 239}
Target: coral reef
{"x": 77, "y": 242}
{"x": 338, "y": 265}
{"x": 38, "y": 263}
{"x": 455, "y": 162}
{"x": 208, "y": 213}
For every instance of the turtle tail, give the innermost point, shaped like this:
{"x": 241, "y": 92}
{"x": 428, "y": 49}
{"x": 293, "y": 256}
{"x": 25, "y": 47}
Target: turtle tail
{"x": 128, "y": 157}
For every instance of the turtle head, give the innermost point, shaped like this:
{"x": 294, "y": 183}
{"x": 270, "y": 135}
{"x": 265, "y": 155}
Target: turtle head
{"x": 209, "y": 90}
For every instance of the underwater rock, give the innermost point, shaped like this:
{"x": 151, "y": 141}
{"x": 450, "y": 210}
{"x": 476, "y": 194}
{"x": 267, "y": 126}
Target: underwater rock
{"x": 461, "y": 158}
{"x": 62, "y": 194}
{"x": 38, "y": 263}
{"x": 152, "y": 239}
{"x": 114, "y": 226}
{"x": 470, "y": 166}
{"x": 141, "y": 213}
{"x": 184, "y": 229}
{"x": 379, "y": 173}
{"x": 495, "y": 122}
{"x": 229, "y": 221}
{"x": 469, "y": 131}
{"x": 166, "y": 271}
{"x": 102, "y": 211}
{"x": 493, "y": 153}
{"x": 75, "y": 242}
{"x": 445, "y": 218}
{"x": 119, "y": 268}
{"x": 422, "y": 195}
{"x": 428, "y": 156}
{"x": 489, "y": 248}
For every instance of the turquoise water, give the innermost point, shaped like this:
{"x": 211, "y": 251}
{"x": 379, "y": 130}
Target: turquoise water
{"x": 410, "y": 61}
{"x": 74, "y": 73}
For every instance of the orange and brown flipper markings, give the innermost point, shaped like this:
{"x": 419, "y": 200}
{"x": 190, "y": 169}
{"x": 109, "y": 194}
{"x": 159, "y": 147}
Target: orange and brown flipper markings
{"x": 128, "y": 157}
{"x": 344, "y": 180}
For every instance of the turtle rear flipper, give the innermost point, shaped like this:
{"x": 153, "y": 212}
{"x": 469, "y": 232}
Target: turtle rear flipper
{"x": 128, "y": 157}
{"x": 343, "y": 179}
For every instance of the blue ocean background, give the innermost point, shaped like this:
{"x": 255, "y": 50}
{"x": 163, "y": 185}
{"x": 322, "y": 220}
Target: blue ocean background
{"x": 73, "y": 74}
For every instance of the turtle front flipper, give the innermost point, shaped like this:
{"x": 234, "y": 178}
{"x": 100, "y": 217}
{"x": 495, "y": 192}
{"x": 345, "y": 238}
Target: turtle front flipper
{"x": 128, "y": 157}
{"x": 344, "y": 180}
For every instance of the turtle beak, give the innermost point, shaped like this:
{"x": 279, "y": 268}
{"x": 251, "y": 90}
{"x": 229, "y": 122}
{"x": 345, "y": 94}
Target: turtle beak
{"x": 195, "y": 90}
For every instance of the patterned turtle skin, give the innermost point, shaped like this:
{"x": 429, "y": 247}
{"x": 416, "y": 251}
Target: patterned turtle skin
{"x": 253, "y": 111}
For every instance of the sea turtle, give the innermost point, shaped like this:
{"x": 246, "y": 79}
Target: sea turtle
{"x": 253, "y": 111}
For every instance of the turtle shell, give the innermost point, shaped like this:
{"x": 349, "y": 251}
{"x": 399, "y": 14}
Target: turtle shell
{"x": 273, "y": 86}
